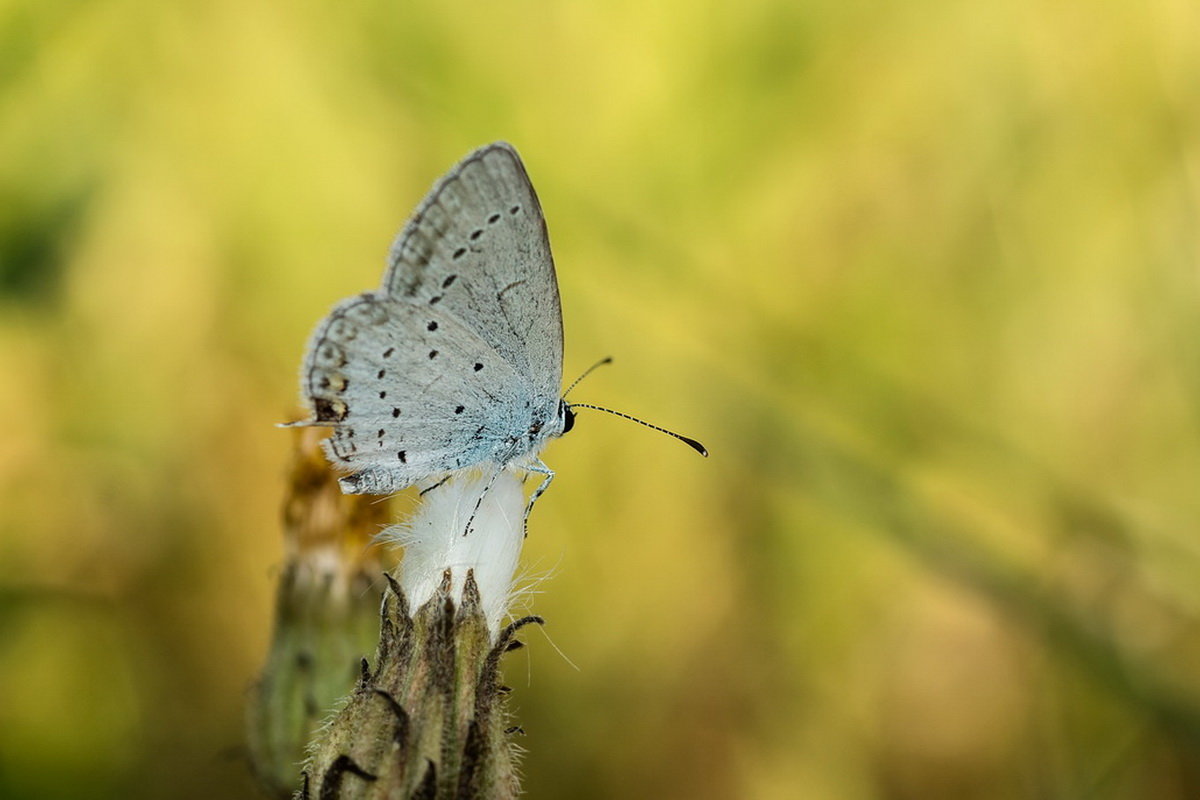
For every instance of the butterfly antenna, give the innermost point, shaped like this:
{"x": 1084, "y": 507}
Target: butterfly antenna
{"x": 692, "y": 443}
{"x": 586, "y": 372}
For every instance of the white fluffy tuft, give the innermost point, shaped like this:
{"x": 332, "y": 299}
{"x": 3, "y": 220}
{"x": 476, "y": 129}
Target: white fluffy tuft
{"x": 433, "y": 541}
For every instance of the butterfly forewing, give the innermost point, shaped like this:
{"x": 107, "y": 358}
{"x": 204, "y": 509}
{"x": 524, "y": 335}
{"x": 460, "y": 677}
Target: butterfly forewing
{"x": 477, "y": 247}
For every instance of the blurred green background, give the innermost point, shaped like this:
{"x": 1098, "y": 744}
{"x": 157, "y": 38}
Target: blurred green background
{"x": 923, "y": 276}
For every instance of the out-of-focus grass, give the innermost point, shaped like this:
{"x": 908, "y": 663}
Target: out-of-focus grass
{"x": 923, "y": 277}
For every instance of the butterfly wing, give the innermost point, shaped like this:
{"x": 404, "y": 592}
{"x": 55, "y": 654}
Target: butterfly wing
{"x": 391, "y": 378}
{"x": 477, "y": 248}
{"x": 460, "y": 351}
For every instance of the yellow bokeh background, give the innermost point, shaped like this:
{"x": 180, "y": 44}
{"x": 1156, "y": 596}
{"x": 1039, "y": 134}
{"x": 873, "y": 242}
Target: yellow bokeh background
{"x": 924, "y": 277}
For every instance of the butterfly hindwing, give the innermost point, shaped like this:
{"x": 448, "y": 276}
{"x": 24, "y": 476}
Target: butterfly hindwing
{"x": 382, "y": 373}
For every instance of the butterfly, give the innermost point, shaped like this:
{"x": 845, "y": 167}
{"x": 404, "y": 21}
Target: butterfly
{"x": 456, "y": 360}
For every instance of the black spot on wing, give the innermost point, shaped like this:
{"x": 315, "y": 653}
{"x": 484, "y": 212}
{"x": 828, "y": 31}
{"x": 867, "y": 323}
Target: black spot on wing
{"x": 330, "y": 410}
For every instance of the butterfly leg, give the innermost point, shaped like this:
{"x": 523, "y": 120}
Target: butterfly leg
{"x": 479, "y": 501}
{"x": 539, "y": 467}
{"x": 429, "y": 489}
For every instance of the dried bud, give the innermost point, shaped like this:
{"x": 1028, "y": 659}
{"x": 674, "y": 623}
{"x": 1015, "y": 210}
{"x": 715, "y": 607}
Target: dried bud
{"x": 325, "y": 615}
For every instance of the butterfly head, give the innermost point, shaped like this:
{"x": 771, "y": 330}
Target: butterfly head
{"x": 542, "y": 429}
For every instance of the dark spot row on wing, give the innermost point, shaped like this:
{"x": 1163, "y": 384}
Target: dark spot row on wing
{"x": 432, "y": 326}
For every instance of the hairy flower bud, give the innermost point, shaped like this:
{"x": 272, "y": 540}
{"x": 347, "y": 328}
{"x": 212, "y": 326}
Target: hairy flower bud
{"x": 429, "y": 719}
